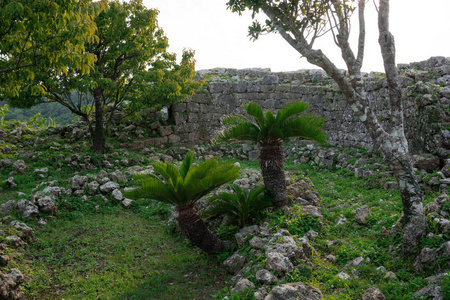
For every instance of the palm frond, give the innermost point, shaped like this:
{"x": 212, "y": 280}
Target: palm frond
{"x": 270, "y": 130}
{"x": 243, "y": 205}
{"x": 231, "y": 120}
{"x": 242, "y": 132}
{"x": 139, "y": 177}
{"x": 256, "y": 112}
{"x": 307, "y": 127}
{"x": 167, "y": 170}
{"x": 290, "y": 110}
{"x": 216, "y": 176}
{"x": 155, "y": 189}
{"x": 186, "y": 164}
{"x": 171, "y": 187}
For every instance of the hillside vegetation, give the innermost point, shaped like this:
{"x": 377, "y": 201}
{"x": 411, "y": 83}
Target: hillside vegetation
{"x": 95, "y": 243}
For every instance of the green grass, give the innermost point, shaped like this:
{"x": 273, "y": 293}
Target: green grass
{"x": 352, "y": 240}
{"x": 97, "y": 250}
{"x": 118, "y": 255}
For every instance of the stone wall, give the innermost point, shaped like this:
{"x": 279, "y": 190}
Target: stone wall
{"x": 426, "y": 103}
{"x": 426, "y": 94}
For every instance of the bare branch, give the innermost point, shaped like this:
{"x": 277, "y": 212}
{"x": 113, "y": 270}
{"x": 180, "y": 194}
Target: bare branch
{"x": 387, "y": 45}
{"x": 332, "y": 20}
{"x": 342, "y": 37}
{"x": 362, "y": 33}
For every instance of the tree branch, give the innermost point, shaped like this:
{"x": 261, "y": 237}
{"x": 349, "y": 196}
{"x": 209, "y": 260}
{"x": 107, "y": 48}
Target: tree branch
{"x": 387, "y": 45}
{"x": 362, "y": 33}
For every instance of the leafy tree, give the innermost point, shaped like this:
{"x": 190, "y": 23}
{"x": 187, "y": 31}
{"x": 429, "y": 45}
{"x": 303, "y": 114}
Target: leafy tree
{"x": 132, "y": 70}
{"x": 300, "y": 23}
{"x": 37, "y": 36}
{"x": 269, "y": 132}
{"x": 243, "y": 205}
{"x": 182, "y": 187}
{"x": 4, "y": 110}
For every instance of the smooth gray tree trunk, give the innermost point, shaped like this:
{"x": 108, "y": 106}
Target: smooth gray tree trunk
{"x": 391, "y": 143}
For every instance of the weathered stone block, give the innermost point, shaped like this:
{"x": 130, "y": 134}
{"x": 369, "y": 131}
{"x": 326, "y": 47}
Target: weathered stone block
{"x": 165, "y": 131}
{"x": 215, "y": 87}
{"x": 174, "y": 139}
{"x": 270, "y": 79}
{"x": 268, "y": 88}
{"x": 179, "y": 118}
{"x": 240, "y": 86}
{"x": 253, "y": 86}
{"x": 179, "y": 107}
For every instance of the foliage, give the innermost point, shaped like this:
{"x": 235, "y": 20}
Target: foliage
{"x": 295, "y": 221}
{"x": 3, "y": 113}
{"x": 227, "y": 232}
{"x": 269, "y": 131}
{"x": 445, "y": 288}
{"x": 60, "y": 114}
{"x": 132, "y": 70}
{"x": 37, "y": 121}
{"x": 310, "y": 18}
{"x": 243, "y": 205}
{"x": 39, "y": 36}
{"x": 267, "y": 127}
{"x": 183, "y": 185}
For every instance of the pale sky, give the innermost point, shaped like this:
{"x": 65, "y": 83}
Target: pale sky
{"x": 219, "y": 37}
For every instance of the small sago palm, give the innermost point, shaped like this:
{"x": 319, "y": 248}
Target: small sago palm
{"x": 243, "y": 205}
{"x": 269, "y": 131}
{"x": 182, "y": 187}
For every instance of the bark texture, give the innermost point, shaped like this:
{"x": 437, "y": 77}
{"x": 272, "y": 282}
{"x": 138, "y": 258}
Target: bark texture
{"x": 391, "y": 143}
{"x": 271, "y": 163}
{"x": 395, "y": 147}
{"x": 97, "y": 137}
{"x": 193, "y": 227}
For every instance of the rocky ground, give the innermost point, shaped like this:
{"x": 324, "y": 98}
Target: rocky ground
{"x": 267, "y": 256}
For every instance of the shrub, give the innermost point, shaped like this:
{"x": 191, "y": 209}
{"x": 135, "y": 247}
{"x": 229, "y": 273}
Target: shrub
{"x": 244, "y": 206}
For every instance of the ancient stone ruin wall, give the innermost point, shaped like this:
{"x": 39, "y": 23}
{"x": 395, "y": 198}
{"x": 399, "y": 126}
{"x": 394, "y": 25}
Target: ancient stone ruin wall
{"x": 426, "y": 89}
{"x": 426, "y": 93}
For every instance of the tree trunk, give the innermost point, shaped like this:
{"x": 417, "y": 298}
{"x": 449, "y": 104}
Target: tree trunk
{"x": 193, "y": 227}
{"x": 271, "y": 163}
{"x": 396, "y": 154}
{"x": 392, "y": 144}
{"x": 98, "y": 136}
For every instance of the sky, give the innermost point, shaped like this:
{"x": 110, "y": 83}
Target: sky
{"x": 220, "y": 39}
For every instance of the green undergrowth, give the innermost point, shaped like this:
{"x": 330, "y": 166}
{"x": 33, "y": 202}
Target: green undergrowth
{"x": 118, "y": 254}
{"x": 98, "y": 250}
{"x": 336, "y": 245}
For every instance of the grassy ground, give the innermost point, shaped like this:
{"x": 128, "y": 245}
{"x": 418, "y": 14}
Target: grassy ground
{"x": 117, "y": 254}
{"x": 98, "y": 250}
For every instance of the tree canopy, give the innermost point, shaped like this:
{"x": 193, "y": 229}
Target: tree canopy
{"x": 132, "y": 70}
{"x": 37, "y": 36}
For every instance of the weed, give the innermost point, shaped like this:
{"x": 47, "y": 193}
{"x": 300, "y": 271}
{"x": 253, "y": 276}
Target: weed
{"x": 445, "y": 286}
{"x": 295, "y": 221}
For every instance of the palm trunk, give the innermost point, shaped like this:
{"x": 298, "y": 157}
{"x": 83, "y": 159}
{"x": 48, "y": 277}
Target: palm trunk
{"x": 193, "y": 227}
{"x": 272, "y": 168}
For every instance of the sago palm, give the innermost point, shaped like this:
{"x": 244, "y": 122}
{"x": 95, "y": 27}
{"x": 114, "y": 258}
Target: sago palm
{"x": 182, "y": 187}
{"x": 269, "y": 131}
{"x": 243, "y": 205}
